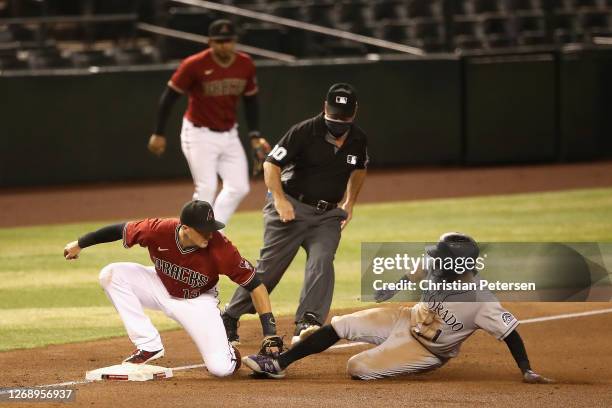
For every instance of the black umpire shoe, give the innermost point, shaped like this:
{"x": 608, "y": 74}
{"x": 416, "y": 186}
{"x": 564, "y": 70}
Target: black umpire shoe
{"x": 305, "y": 327}
{"x": 231, "y": 329}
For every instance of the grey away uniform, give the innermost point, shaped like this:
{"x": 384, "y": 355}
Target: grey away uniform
{"x": 314, "y": 176}
{"x": 422, "y": 337}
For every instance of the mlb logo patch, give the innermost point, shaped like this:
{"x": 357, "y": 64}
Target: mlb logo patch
{"x": 350, "y": 159}
{"x": 342, "y": 99}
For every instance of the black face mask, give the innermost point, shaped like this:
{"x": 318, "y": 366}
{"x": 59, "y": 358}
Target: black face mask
{"x": 337, "y": 129}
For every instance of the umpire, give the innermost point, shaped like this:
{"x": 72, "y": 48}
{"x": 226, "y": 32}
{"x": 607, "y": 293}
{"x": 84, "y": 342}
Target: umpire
{"x": 316, "y": 164}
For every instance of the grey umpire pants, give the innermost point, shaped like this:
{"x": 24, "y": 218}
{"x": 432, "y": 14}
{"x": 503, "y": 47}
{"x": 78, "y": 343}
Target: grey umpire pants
{"x": 319, "y": 234}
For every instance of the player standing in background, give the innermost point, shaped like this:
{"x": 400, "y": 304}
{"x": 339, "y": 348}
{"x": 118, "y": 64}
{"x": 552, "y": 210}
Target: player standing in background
{"x": 314, "y": 175}
{"x": 414, "y": 339}
{"x": 214, "y": 79}
{"x": 188, "y": 256}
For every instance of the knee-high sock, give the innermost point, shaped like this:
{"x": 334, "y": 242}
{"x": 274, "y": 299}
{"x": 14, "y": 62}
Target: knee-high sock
{"x": 317, "y": 342}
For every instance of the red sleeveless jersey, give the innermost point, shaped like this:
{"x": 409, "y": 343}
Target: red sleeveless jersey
{"x": 187, "y": 273}
{"x": 214, "y": 90}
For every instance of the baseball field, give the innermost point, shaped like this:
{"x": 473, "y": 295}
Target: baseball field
{"x": 56, "y": 323}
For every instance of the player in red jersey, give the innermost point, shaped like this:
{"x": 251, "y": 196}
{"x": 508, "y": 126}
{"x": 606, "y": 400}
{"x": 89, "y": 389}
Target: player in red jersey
{"x": 214, "y": 79}
{"x": 188, "y": 255}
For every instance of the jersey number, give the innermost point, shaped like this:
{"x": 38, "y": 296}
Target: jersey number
{"x": 278, "y": 153}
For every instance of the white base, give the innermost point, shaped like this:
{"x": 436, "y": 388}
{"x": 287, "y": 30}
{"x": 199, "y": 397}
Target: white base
{"x": 129, "y": 372}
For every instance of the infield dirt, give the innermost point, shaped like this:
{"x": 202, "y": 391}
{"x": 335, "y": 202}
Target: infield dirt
{"x": 577, "y": 352}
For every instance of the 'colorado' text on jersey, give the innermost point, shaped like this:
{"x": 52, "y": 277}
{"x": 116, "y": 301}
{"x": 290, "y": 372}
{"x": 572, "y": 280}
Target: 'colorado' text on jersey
{"x": 214, "y": 89}
{"x": 187, "y": 273}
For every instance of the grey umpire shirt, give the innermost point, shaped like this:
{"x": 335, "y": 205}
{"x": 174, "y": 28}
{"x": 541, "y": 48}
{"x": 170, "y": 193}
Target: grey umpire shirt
{"x": 313, "y": 166}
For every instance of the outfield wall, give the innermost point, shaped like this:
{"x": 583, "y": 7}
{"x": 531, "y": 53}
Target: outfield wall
{"x": 81, "y": 126}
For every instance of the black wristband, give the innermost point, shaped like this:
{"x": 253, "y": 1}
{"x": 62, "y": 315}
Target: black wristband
{"x": 268, "y": 324}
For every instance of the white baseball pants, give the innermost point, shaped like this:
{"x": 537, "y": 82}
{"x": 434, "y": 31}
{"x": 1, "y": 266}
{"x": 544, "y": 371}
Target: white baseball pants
{"x": 131, "y": 287}
{"x": 210, "y": 153}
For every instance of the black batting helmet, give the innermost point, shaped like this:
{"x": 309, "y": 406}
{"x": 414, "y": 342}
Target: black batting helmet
{"x": 454, "y": 245}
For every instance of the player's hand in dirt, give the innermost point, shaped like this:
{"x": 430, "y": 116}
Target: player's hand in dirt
{"x": 533, "y": 378}
{"x": 157, "y": 145}
{"x": 72, "y": 250}
{"x": 284, "y": 209}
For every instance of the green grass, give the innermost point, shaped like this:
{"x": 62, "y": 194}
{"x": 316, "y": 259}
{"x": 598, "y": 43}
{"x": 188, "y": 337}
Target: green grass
{"x": 46, "y": 300}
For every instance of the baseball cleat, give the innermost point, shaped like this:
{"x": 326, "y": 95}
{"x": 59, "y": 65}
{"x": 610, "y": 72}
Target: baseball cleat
{"x": 265, "y": 365}
{"x": 231, "y": 329}
{"x": 305, "y": 328}
{"x": 142, "y": 356}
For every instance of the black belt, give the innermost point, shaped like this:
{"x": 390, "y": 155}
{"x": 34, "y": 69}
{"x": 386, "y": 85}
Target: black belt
{"x": 213, "y": 129}
{"x": 319, "y": 205}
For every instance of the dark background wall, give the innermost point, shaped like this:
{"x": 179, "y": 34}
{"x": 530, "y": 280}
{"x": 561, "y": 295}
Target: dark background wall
{"x": 505, "y": 109}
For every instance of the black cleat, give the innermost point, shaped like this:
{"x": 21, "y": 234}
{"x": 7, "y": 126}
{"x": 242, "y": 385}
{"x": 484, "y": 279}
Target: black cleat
{"x": 305, "y": 327}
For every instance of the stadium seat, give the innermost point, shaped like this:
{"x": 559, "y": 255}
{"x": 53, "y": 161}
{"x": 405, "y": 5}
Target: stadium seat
{"x": 290, "y": 10}
{"x": 498, "y": 41}
{"x": 351, "y": 12}
{"x": 45, "y": 58}
{"x": 395, "y": 33}
{"x": 385, "y": 10}
{"x": 521, "y": 5}
{"x": 6, "y": 35}
{"x": 495, "y": 26}
{"x": 530, "y": 23}
{"x": 190, "y": 19}
{"x": 566, "y": 28}
{"x": 586, "y": 4}
{"x": 10, "y": 61}
{"x": 244, "y": 3}
{"x": 320, "y": 14}
{"x": 419, "y": 9}
{"x": 425, "y": 30}
{"x": 486, "y": 6}
{"x": 111, "y": 6}
{"x": 361, "y": 28}
{"x": 343, "y": 48}
{"x": 21, "y": 33}
{"x": 462, "y": 26}
{"x": 595, "y": 20}
{"x": 84, "y": 59}
{"x": 533, "y": 38}
{"x": 265, "y": 36}
{"x": 132, "y": 56}
{"x": 467, "y": 42}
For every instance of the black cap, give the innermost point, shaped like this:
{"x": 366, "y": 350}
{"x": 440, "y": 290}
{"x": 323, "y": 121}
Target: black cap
{"x": 199, "y": 215}
{"x": 221, "y": 30}
{"x": 341, "y": 100}
{"x": 454, "y": 245}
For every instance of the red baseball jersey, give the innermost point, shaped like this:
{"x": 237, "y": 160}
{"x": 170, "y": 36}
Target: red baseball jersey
{"x": 214, "y": 89}
{"x": 187, "y": 273}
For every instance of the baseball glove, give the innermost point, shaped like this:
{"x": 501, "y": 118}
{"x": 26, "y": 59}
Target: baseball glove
{"x": 272, "y": 346}
{"x": 259, "y": 151}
